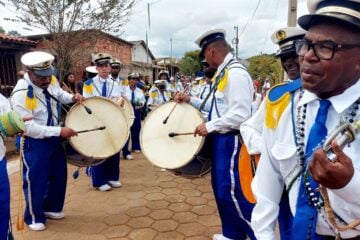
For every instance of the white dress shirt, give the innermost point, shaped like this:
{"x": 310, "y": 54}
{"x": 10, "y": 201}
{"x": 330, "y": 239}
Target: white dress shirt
{"x": 114, "y": 90}
{"x": 4, "y": 108}
{"x": 234, "y": 103}
{"x": 279, "y": 163}
{"x": 159, "y": 98}
{"x": 37, "y": 128}
{"x": 139, "y": 98}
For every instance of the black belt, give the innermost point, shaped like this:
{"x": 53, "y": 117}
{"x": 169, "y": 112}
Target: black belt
{"x": 233, "y": 132}
{"x": 333, "y": 238}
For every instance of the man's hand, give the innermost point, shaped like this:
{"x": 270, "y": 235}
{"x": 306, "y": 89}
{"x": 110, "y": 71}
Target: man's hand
{"x": 180, "y": 97}
{"x": 201, "y": 130}
{"x": 67, "y": 132}
{"x": 333, "y": 175}
{"x": 77, "y": 98}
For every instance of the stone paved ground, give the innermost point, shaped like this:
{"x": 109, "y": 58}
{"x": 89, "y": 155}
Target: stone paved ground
{"x": 151, "y": 204}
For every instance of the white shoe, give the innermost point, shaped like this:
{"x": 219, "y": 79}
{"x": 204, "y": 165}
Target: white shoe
{"x": 37, "y": 226}
{"x": 137, "y": 151}
{"x": 55, "y": 215}
{"x": 104, "y": 188}
{"x": 129, "y": 157}
{"x": 115, "y": 184}
{"x": 219, "y": 236}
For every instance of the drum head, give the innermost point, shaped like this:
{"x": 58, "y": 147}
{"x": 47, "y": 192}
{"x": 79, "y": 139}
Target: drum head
{"x": 171, "y": 152}
{"x": 127, "y": 109}
{"x": 101, "y": 143}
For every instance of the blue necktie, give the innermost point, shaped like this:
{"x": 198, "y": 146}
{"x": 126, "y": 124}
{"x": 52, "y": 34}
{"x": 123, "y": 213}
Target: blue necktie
{"x": 132, "y": 97}
{"x": 163, "y": 96}
{"x": 48, "y": 108}
{"x": 103, "y": 90}
{"x": 305, "y": 219}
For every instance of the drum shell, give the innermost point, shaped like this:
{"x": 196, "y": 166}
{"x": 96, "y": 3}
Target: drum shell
{"x": 127, "y": 109}
{"x": 200, "y": 165}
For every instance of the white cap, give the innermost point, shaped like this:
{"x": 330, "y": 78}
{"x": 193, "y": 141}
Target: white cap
{"x": 91, "y": 69}
{"x": 39, "y": 62}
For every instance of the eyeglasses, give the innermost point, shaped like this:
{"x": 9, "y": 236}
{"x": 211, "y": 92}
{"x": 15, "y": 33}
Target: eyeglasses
{"x": 323, "y": 50}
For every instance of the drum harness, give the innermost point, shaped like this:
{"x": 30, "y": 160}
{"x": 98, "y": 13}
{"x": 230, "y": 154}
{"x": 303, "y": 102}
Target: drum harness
{"x": 215, "y": 86}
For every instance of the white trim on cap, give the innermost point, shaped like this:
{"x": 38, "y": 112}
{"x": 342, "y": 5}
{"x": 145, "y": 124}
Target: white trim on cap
{"x": 204, "y": 35}
{"x": 338, "y": 9}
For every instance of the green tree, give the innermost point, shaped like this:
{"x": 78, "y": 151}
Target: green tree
{"x": 190, "y": 63}
{"x": 14, "y": 33}
{"x": 2, "y": 30}
{"x": 263, "y": 66}
{"x": 68, "y": 22}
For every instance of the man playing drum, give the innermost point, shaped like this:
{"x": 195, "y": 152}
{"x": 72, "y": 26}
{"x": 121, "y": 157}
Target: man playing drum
{"x": 107, "y": 174}
{"x": 228, "y": 104}
{"x": 45, "y": 171}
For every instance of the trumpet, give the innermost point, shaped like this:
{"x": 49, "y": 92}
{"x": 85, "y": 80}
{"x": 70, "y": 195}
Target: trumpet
{"x": 343, "y": 135}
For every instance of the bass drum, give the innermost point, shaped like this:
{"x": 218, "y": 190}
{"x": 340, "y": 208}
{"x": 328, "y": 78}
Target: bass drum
{"x": 182, "y": 154}
{"x": 127, "y": 109}
{"x": 92, "y": 147}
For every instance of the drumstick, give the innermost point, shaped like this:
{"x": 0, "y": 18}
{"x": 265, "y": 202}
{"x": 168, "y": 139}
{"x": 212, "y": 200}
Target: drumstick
{"x": 173, "y": 134}
{"x": 88, "y": 110}
{"x": 93, "y": 129}
{"x": 165, "y": 120}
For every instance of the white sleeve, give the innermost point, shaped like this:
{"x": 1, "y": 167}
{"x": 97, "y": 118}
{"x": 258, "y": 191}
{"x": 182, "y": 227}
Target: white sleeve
{"x": 239, "y": 92}
{"x": 63, "y": 96}
{"x": 267, "y": 187}
{"x": 251, "y": 130}
{"x": 196, "y": 102}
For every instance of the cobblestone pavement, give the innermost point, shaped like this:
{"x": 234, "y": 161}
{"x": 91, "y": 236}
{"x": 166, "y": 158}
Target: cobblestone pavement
{"x": 151, "y": 204}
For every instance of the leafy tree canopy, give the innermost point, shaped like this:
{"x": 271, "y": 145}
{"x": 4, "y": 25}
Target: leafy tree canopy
{"x": 71, "y": 15}
{"x": 190, "y": 63}
{"x": 14, "y": 33}
{"x": 263, "y": 66}
{"x": 2, "y": 30}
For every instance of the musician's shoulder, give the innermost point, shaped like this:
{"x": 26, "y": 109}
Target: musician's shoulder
{"x": 278, "y": 91}
{"x": 277, "y": 101}
{"x": 89, "y": 81}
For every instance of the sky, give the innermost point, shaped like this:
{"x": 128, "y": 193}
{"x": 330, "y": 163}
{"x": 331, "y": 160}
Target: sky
{"x": 184, "y": 21}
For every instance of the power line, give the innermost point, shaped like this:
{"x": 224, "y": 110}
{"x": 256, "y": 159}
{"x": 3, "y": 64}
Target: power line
{"x": 250, "y": 18}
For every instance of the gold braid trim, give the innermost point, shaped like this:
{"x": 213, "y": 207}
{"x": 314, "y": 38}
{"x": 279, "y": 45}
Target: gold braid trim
{"x": 331, "y": 216}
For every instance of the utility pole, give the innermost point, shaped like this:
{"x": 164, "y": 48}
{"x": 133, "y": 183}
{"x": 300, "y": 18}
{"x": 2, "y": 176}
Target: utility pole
{"x": 292, "y": 13}
{"x": 236, "y": 41}
{"x": 292, "y": 17}
{"x": 171, "y": 66}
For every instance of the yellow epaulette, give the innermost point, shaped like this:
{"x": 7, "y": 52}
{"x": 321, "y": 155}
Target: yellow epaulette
{"x": 277, "y": 100}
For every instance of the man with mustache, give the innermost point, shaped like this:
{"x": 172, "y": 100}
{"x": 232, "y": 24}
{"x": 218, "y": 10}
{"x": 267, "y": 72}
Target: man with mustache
{"x": 44, "y": 171}
{"x": 329, "y": 58}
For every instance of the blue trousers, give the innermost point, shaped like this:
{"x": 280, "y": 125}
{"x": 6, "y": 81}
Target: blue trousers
{"x": 44, "y": 178}
{"x": 285, "y": 218}
{"x": 109, "y": 170}
{"x": 4, "y": 201}
{"x": 234, "y": 209}
{"x": 134, "y": 133}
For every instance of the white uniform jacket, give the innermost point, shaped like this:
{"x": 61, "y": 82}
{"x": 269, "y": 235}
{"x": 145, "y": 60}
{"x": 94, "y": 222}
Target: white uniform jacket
{"x": 37, "y": 128}
{"x": 233, "y": 103}
{"x": 279, "y": 163}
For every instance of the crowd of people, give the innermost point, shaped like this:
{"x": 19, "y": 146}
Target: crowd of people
{"x": 307, "y": 189}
